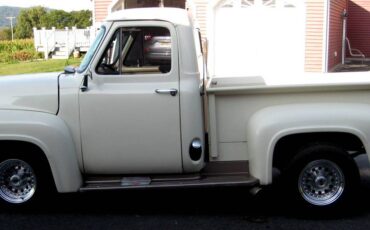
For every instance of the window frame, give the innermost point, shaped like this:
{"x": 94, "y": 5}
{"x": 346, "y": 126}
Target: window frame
{"x": 107, "y": 46}
{"x": 97, "y": 42}
{"x": 121, "y": 25}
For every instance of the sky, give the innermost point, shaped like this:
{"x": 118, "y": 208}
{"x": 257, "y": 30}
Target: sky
{"x": 67, "y": 5}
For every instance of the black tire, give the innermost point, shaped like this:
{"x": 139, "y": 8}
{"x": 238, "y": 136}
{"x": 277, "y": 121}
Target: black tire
{"x": 25, "y": 179}
{"x": 321, "y": 177}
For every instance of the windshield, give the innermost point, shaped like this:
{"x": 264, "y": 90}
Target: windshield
{"x": 85, "y": 62}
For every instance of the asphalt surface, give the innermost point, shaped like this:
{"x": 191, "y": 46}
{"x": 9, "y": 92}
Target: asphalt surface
{"x": 186, "y": 209}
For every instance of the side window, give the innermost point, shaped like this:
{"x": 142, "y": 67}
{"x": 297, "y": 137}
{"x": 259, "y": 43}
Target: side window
{"x": 109, "y": 62}
{"x": 137, "y": 50}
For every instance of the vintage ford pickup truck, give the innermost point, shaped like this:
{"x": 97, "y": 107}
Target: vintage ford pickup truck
{"x": 141, "y": 112}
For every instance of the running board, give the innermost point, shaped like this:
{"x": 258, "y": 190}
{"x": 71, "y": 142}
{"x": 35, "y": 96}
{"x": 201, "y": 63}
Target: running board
{"x": 177, "y": 181}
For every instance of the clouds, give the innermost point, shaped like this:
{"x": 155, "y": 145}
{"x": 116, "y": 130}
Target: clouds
{"x": 67, "y": 5}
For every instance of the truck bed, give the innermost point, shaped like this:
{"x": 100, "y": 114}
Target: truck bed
{"x": 232, "y": 101}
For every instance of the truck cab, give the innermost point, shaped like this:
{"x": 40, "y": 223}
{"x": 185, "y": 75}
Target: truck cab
{"x": 143, "y": 104}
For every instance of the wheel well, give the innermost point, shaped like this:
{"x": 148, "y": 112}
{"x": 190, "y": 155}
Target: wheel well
{"x": 288, "y": 146}
{"x": 33, "y": 149}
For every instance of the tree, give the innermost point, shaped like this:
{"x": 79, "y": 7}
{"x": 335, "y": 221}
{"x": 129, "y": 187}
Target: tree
{"x": 41, "y": 17}
{"x": 5, "y": 34}
{"x": 58, "y": 19}
{"x": 29, "y": 18}
{"x": 81, "y": 19}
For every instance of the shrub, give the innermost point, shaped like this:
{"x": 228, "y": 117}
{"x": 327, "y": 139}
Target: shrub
{"x": 23, "y": 55}
{"x": 18, "y": 50}
{"x": 5, "y": 57}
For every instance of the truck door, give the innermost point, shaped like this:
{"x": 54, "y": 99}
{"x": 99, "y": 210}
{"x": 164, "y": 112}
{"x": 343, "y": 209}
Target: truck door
{"x": 130, "y": 118}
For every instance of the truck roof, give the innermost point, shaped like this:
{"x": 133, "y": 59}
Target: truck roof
{"x": 173, "y": 15}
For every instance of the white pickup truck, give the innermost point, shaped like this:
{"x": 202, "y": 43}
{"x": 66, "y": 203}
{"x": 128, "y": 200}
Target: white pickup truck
{"x": 141, "y": 112}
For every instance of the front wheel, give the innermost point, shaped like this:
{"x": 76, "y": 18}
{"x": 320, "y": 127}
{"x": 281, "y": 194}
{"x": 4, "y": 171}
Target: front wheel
{"x": 18, "y": 182}
{"x": 25, "y": 179}
{"x": 322, "y": 176}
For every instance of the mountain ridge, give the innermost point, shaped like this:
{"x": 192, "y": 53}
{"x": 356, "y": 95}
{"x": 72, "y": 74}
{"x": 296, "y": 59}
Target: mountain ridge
{"x": 8, "y": 11}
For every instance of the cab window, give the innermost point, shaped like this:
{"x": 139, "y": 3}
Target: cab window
{"x": 137, "y": 50}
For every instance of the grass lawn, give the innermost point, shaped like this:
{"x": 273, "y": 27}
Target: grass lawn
{"x": 40, "y": 66}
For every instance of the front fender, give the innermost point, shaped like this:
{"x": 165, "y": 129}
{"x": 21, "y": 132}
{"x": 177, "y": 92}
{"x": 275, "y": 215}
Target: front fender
{"x": 267, "y": 126}
{"x": 52, "y": 136}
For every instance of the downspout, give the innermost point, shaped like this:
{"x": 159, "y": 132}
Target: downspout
{"x": 327, "y": 36}
{"x": 161, "y": 3}
{"x": 344, "y": 16}
{"x": 93, "y": 15}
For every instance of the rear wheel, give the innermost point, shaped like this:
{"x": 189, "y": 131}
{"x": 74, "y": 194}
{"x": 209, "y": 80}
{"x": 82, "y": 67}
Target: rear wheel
{"x": 322, "y": 176}
{"x": 321, "y": 182}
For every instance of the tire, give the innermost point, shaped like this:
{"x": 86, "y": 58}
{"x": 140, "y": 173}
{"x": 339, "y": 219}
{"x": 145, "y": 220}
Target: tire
{"x": 322, "y": 177}
{"x": 24, "y": 180}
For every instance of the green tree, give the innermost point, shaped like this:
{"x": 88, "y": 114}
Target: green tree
{"x": 58, "y": 19}
{"x": 61, "y": 19}
{"x": 81, "y": 19}
{"x": 29, "y": 18}
{"x": 5, "y": 34}
{"x": 40, "y": 17}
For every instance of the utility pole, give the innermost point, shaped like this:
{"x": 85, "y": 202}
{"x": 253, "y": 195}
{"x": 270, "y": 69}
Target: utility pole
{"x": 11, "y": 25}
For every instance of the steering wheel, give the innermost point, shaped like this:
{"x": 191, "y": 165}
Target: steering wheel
{"x": 107, "y": 68}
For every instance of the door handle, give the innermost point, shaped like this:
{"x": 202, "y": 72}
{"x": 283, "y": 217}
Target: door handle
{"x": 172, "y": 92}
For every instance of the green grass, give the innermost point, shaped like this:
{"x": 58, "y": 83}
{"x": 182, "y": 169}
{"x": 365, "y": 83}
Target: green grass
{"x": 41, "y": 66}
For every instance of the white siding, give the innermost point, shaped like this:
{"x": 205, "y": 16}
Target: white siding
{"x": 201, "y": 14}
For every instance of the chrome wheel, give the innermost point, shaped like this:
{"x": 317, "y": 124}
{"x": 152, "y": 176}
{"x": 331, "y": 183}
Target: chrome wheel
{"x": 17, "y": 181}
{"x": 321, "y": 182}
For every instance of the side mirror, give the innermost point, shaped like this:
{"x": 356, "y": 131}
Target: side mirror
{"x": 69, "y": 70}
{"x": 85, "y": 83}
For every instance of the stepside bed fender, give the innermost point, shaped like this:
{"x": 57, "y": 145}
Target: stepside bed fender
{"x": 267, "y": 126}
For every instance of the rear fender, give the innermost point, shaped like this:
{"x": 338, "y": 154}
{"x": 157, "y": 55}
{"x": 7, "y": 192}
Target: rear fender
{"x": 267, "y": 126}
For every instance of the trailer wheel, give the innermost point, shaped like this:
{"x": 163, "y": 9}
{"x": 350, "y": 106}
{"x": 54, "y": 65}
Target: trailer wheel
{"x": 322, "y": 176}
